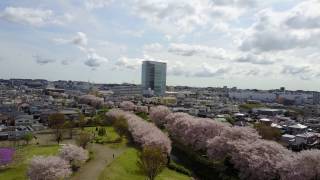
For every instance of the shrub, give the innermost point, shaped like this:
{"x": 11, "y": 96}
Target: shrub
{"x": 176, "y": 167}
{"x": 27, "y": 137}
{"x": 48, "y": 168}
{"x": 102, "y": 131}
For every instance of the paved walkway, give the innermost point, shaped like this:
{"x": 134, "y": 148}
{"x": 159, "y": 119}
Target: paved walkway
{"x": 103, "y": 155}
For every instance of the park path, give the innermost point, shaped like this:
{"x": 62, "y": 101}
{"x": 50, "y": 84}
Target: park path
{"x": 103, "y": 155}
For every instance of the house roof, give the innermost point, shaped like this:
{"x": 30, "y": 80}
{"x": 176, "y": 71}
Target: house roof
{"x": 276, "y": 125}
{"x": 306, "y": 135}
{"x": 298, "y": 126}
{"x": 265, "y": 120}
{"x": 288, "y": 136}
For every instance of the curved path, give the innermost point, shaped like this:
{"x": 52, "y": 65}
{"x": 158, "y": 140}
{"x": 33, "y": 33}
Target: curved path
{"x": 103, "y": 155}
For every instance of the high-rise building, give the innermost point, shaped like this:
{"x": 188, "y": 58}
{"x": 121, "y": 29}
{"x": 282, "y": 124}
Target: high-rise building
{"x": 154, "y": 77}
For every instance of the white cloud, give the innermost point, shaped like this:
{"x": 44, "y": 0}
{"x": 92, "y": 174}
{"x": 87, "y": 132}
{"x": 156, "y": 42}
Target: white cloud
{"x": 177, "y": 68}
{"x": 199, "y": 50}
{"x": 154, "y": 47}
{"x": 128, "y": 63}
{"x": 80, "y": 40}
{"x": 33, "y": 17}
{"x": 303, "y": 72}
{"x": 239, "y": 3}
{"x": 95, "y": 4}
{"x": 66, "y": 62}
{"x": 305, "y": 15}
{"x": 43, "y": 60}
{"x": 207, "y": 70}
{"x": 134, "y": 33}
{"x": 255, "y": 59}
{"x": 183, "y": 16}
{"x": 94, "y": 60}
{"x": 298, "y": 27}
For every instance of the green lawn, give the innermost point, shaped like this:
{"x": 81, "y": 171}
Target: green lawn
{"x": 124, "y": 168}
{"x": 143, "y": 116}
{"x": 19, "y": 169}
{"x": 110, "y": 136}
{"x": 251, "y": 106}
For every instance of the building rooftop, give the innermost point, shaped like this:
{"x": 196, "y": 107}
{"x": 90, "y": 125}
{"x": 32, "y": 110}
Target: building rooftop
{"x": 298, "y": 126}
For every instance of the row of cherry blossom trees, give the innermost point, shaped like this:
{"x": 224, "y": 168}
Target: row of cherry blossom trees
{"x": 91, "y": 100}
{"x": 188, "y": 130}
{"x": 70, "y": 158}
{"x": 253, "y": 157}
{"x": 130, "y": 106}
{"x": 142, "y": 132}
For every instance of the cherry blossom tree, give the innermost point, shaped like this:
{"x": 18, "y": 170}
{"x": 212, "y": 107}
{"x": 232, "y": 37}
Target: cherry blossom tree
{"x": 48, "y": 168}
{"x": 147, "y": 134}
{"x": 142, "y": 109}
{"x": 223, "y": 145}
{"x": 304, "y": 165}
{"x": 191, "y": 131}
{"x": 109, "y": 104}
{"x": 158, "y": 115}
{"x": 142, "y": 132}
{"x": 258, "y": 160}
{"x": 127, "y": 106}
{"x": 91, "y": 100}
{"x": 170, "y": 118}
{"x": 113, "y": 115}
{"x": 74, "y": 154}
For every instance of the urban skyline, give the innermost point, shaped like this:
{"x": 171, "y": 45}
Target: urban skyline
{"x": 160, "y": 89}
{"x": 206, "y": 43}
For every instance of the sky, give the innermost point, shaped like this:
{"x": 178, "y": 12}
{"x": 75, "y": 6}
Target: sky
{"x": 244, "y": 43}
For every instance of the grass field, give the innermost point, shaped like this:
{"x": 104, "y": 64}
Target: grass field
{"x": 110, "y": 137}
{"x": 111, "y": 134}
{"x": 124, "y": 167}
{"x": 251, "y": 106}
{"x": 143, "y": 116}
{"x": 19, "y": 169}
